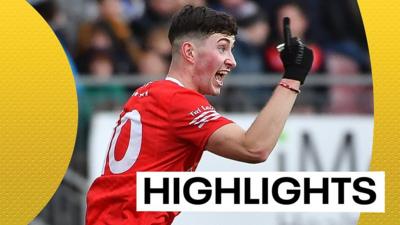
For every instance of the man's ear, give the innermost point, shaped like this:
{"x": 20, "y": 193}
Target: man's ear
{"x": 187, "y": 51}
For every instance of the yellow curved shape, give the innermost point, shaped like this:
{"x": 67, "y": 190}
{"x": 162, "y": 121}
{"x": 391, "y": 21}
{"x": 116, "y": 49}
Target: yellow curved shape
{"x": 38, "y": 113}
{"x": 381, "y": 22}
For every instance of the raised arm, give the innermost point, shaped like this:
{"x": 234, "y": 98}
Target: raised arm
{"x": 255, "y": 144}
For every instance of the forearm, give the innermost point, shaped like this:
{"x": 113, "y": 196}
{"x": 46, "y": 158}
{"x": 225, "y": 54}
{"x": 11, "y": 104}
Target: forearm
{"x": 255, "y": 144}
{"x": 263, "y": 134}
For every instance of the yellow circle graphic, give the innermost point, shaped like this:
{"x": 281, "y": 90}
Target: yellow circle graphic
{"x": 381, "y": 22}
{"x": 38, "y": 112}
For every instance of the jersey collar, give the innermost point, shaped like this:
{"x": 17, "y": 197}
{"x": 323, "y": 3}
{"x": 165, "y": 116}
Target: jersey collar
{"x": 174, "y": 80}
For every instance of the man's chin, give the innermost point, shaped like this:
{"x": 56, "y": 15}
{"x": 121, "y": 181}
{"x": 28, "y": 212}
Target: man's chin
{"x": 216, "y": 93}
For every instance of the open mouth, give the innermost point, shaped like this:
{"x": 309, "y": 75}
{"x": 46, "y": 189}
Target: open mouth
{"x": 219, "y": 77}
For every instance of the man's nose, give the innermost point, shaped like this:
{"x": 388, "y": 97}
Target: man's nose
{"x": 231, "y": 62}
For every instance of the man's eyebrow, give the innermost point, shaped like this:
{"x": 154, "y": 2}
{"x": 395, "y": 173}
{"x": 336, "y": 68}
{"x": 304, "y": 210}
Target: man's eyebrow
{"x": 227, "y": 40}
{"x": 224, "y": 39}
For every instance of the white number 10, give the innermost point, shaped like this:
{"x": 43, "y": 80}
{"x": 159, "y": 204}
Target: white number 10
{"x": 135, "y": 142}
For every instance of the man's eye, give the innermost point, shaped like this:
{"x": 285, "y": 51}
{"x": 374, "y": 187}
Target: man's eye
{"x": 222, "y": 49}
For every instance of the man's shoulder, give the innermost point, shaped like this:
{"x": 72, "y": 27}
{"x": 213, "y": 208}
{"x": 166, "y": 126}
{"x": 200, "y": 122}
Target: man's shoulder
{"x": 170, "y": 90}
{"x": 168, "y": 95}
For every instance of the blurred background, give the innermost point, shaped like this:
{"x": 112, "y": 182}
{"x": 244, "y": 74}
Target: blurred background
{"x": 115, "y": 46}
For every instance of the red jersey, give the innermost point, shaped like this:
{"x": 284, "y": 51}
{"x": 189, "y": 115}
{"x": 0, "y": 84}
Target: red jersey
{"x": 163, "y": 127}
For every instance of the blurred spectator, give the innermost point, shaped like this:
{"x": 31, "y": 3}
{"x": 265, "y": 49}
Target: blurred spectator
{"x": 347, "y": 56}
{"x": 347, "y": 99}
{"x": 343, "y": 22}
{"x": 299, "y": 26}
{"x": 97, "y": 39}
{"x": 101, "y": 64}
{"x": 346, "y": 34}
{"x": 253, "y": 33}
{"x": 157, "y": 40}
{"x": 252, "y": 36}
{"x": 157, "y": 13}
{"x": 315, "y": 32}
{"x": 312, "y": 99}
{"x": 152, "y": 63}
{"x": 108, "y": 31}
{"x": 104, "y": 96}
{"x": 155, "y": 59}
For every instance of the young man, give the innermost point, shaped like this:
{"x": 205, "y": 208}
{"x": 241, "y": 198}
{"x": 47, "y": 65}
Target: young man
{"x": 167, "y": 124}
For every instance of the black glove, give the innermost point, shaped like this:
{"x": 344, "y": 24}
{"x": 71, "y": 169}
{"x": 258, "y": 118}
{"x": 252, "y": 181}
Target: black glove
{"x": 297, "y": 59}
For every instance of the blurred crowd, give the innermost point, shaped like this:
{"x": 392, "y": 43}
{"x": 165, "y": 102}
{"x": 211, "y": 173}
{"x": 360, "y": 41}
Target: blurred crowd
{"x": 129, "y": 37}
{"x": 110, "y": 38}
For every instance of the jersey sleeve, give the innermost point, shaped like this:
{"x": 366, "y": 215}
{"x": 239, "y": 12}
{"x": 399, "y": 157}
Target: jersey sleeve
{"x": 193, "y": 119}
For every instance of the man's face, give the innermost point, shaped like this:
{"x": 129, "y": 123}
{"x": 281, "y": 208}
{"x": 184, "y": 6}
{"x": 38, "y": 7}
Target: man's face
{"x": 213, "y": 61}
{"x": 299, "y": 23}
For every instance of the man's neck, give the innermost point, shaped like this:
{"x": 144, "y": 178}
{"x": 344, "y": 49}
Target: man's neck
{"x": 174, "y": 80}
{"x": 182, "y": 76}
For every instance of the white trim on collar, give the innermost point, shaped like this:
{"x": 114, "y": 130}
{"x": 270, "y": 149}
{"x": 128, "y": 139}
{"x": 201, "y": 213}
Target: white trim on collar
{"x": 174, "y": 80}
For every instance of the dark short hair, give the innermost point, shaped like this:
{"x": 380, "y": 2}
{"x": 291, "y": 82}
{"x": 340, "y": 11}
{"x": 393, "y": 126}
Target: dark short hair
{"x": 201, "y": 20}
